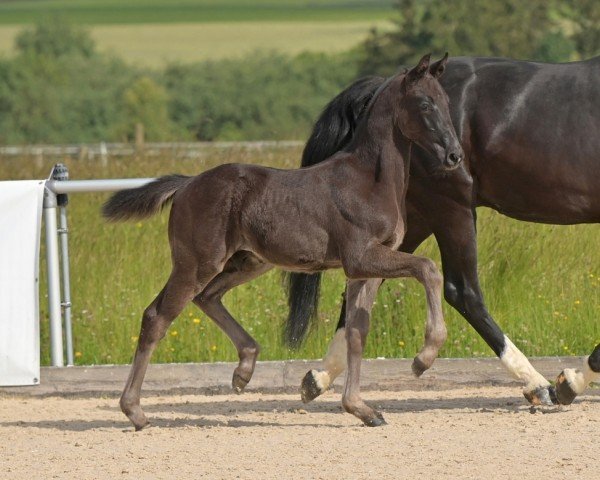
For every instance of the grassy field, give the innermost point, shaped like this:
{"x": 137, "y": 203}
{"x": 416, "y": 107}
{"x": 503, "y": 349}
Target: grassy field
{"x": 156, "y": 32}
{"x": 542, "y": 282}
{"x": 156, "y": 45}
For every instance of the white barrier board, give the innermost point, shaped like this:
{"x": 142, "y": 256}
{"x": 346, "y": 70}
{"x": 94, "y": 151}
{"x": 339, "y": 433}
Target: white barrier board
{"x": 20, "y": 224}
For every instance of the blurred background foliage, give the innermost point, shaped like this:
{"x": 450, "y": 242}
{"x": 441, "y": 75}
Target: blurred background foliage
{"x": 58, "y": 87}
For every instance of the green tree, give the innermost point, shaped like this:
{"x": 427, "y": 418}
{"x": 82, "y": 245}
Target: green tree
{"x": 55, "y": 37}
{"x": 146, "y": 103}
{"x": 504, "y": 28}
{"x": 584, "y": 16}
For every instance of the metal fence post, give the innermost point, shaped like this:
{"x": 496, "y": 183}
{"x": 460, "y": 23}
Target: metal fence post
{"x": 56, "y": 341}
{"x": 61, "y": 173}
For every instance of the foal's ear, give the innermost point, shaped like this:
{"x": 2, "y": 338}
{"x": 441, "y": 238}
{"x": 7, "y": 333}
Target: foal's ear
{"x": 436, "y": 69}
{"x": 419, "y": 71}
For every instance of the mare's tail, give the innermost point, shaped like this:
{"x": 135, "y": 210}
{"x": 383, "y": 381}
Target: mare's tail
{"x": 144, "y": 201}
{"x": 332, "y": 132}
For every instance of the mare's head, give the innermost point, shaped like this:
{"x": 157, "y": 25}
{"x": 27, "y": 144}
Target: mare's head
{"x": 424, "y": 115}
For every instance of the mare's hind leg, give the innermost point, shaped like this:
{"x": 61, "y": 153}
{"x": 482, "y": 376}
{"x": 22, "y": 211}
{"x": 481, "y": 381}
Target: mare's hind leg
{"x": 379, "y": 261}
{"x": 179, "y": 290}
{"x": 241, "y": 268}
{"x": 573, "y": 381}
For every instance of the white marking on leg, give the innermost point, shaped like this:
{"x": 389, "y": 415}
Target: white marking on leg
{"x": 334, "y": 362}
{"x": 322, "y": 380}
{"x": 518, "y": 364}
{"x": 580, "y": 379}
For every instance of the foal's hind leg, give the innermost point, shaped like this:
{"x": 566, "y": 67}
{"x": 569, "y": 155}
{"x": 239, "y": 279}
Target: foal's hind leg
{"x": 240, "y": 269}
{"x": 179, "y": 290}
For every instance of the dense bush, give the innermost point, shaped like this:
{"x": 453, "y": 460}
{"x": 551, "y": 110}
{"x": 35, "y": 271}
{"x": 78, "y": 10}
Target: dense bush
{"x": 59, "y": 89}
{"x": 266, "y": 96}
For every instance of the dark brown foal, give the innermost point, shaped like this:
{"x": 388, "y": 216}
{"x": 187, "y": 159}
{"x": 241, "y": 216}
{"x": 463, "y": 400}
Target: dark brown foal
{"x": 234, "y": 222}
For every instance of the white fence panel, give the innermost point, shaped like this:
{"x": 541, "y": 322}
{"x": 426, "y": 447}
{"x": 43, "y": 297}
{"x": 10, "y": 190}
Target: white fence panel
{"x": 20, "y": 223}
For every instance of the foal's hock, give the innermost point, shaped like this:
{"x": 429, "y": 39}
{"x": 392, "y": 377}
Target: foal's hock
{"x": 235, "y": 222}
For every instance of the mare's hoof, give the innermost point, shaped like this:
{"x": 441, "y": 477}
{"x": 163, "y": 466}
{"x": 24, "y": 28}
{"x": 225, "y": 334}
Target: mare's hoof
{"x": 541, "y": 396}
{"x": 310, "y": 388}
{"x": 564, "y": 392}
{"x": 238, "y": 383}
{"x": 376, "y": 421}
{"x": 418, "y": 367}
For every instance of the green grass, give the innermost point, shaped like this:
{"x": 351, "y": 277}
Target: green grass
{"x": 542, "y": 282}
{"x": 95, "y": 12}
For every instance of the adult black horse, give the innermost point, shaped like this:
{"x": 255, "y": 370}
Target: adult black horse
{"x": 531, "y": 136}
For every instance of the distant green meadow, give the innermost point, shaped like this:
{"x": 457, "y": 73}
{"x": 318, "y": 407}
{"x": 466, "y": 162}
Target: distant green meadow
{"x": 95, "y": 12}
{"x": 154, "y": 33}
{"x": 541, "y": 282}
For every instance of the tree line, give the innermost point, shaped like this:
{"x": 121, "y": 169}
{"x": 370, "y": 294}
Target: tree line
{"x": 59, "y": 89}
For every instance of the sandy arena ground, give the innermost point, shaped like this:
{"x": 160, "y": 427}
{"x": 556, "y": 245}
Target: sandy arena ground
{"x": 470, "y": 433}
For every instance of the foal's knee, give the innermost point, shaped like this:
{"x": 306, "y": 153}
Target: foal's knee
{"x": 431, "y": 274}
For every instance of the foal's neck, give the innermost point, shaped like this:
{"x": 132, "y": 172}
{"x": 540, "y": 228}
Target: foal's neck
{"x": 378, "y": 142}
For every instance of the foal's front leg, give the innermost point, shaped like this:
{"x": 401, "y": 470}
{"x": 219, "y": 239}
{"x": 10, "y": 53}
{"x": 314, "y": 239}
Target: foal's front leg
{"x": 359, "y": 302}
{"x": 378, "y": 261}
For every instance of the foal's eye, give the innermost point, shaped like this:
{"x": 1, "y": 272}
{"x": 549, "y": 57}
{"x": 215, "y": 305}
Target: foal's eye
{"x": 425, "y": 107}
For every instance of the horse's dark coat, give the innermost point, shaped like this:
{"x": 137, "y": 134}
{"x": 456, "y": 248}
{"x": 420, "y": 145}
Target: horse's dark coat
{"x": 531, "y": 136}
{"x": 234, "y": 222}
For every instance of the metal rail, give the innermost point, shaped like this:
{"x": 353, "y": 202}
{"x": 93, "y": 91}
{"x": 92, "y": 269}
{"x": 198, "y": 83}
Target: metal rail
{"x": 55, "y": 196}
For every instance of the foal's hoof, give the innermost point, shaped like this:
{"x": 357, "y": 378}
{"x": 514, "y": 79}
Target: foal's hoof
{"x": 564, "y": 391}
{"x": 541, "y": 396}
{"x": 135, "y": 414}
{"x": 312, "y": 385}
{"x": 376, "y": 421}
{"x": 418, "y": 367}
{"x": 138, "y": 420}
{"x": 141, "y": 426}
{"x": 238, "y": 383}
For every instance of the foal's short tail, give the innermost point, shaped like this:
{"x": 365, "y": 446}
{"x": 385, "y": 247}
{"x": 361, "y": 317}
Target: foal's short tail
{"x": 332, "y": 132}
{"x": 144, "y": 201}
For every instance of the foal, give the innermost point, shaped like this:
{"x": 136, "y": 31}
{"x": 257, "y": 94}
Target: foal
{"x": 235, "y": 222}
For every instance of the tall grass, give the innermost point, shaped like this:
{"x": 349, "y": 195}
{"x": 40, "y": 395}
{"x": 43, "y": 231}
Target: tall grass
{"x": 541, "y": 282}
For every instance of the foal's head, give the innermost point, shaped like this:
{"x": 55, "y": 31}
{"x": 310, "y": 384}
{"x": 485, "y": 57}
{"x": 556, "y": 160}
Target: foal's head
{"x": 424, "y": 116}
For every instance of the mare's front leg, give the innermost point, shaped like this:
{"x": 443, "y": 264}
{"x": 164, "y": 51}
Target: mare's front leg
{"x": 382, "y": 262}
{"x": 457, "y": 241}
{"x": 573, "y": 381}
